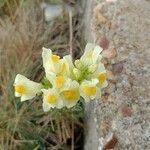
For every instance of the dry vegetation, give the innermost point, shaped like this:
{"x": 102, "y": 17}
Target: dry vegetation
{"x": 25, "y": 126}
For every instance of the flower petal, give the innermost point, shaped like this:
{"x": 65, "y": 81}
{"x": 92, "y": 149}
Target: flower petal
{"x": 91, "y": 54}
{"x": 25, "y": 88}
{"x": 70, "y": 93}
{"x": 51, "y": 99}
{"x": 89, "y": 89}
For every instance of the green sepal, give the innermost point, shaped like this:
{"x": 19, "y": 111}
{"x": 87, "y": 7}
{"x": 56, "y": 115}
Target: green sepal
{"x": 46, "y": 83}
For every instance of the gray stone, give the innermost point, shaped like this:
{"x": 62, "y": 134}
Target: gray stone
{"x": 52, "y": 12}
{"x": 129, "y": 34}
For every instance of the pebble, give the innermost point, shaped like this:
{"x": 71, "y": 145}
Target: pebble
{"x": 109, "y": 53}
{"x": 111, "y": 142}
{"x": 104, "y": 61}
{"x": 52, "y": 12}
{"x": 103, "y": 42}
{"x": 117, "y": 68}
{"x": 111, "y": 76}
{"x": 126, "y": 111}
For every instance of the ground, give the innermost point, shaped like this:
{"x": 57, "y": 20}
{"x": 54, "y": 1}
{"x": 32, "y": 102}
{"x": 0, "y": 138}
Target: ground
{"x": 122, "y": 27}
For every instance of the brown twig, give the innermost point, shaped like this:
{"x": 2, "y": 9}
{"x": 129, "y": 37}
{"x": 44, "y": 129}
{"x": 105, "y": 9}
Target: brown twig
{"x": 71, "y": 33}
{"x": 59, "y": 131}
{"x": 67, "y": 129}
{"x": 72, "y": 139}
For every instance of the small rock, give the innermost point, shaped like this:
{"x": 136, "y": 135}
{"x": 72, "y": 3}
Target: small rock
{"x": 110, "y": 75}
{"x": 103, "y": 42}
{"x": 111, "y": 142}
{"x": 109, "y": 53}
{"x": 126, "y": 111}
{"x": 104, "y": 61}
{"x": 117, "y": 68}
{"x": 52, "y": 11}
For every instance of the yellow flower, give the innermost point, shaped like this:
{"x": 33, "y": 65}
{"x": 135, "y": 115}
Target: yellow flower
{"x": 57, "y": 81}
{"x": 51, "y": 99}
{"x": 63, "y": 68}
{"x": 25, "y": 88}
{"x": 70, "y": 93}
{"x": 100, "y": 74}
{"x": 54, "y": 65}
{"x": 91, "y": 54}
{"x": 51, "y": 62}
{"x": 89, "y": 90}
{"x": 65, "y": 77}
{"x": 102, "y": 77}
{"x": 69, "y": 65}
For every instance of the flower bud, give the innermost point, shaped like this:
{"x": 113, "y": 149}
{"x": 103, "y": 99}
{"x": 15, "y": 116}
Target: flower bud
{"x": 77, "y": 73}
{"x": 78, "y": 64}
{"x": 92, "y": 68}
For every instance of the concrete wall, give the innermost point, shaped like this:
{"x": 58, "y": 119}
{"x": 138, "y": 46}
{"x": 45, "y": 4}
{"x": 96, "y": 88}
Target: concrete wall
{"x": 125, "y": 106}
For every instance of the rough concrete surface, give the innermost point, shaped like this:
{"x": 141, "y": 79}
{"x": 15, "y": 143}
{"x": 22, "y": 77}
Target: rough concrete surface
{"x": 125, "y": 107}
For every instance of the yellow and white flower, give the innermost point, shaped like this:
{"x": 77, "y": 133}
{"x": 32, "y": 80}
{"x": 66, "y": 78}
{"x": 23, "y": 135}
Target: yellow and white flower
{"x": 70, "y": 93}
{"x": 65, "y": 77}
{"x": 89, "y": 90}
{"x": 91, "y": 54}
{"x": 57, "y": 81}
{"x": 66, "y": 66}
{"x": 51, "y": 99}
{"x": 69, "y": 64}
{"x": 100, "y": 74}
{"x": 51, "y": 62}
{"x": 25, "y": 88}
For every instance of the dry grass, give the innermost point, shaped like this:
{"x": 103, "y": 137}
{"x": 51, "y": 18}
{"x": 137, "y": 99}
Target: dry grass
{"x": 24, "y": 126}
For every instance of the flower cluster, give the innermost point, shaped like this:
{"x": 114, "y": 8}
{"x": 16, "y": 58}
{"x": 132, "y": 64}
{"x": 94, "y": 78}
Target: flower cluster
{"x": 69, "y": 80}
